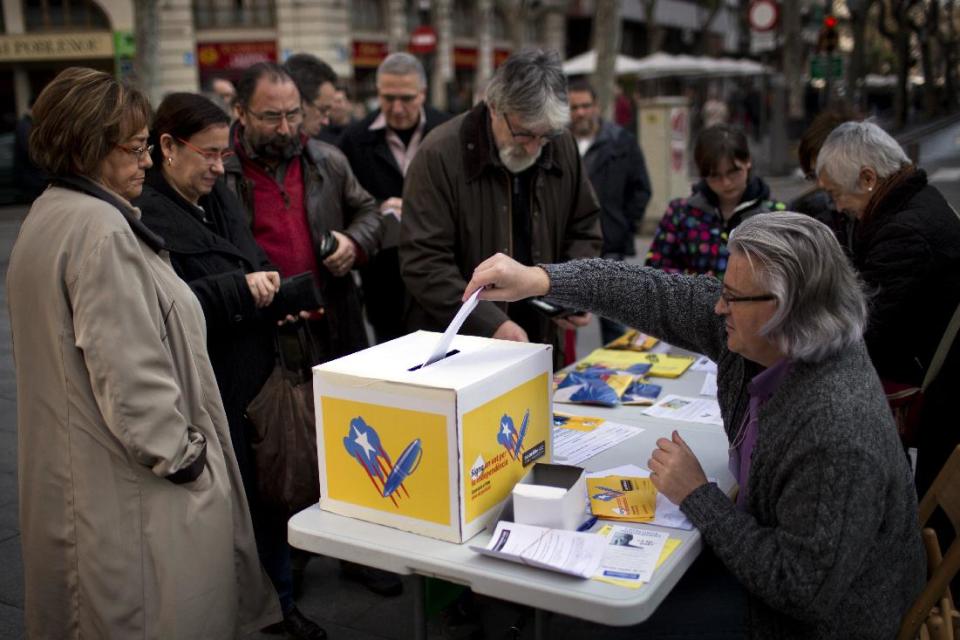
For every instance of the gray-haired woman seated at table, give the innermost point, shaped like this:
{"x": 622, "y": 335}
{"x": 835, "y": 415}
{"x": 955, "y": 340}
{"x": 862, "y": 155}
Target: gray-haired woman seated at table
{"x": 823, "y": 534}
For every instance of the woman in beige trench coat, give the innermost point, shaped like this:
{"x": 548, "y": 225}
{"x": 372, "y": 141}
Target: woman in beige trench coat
{"x": 132, "y": 513}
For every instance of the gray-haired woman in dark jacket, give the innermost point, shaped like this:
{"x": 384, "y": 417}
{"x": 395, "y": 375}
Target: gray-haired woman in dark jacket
{"x": 823, "y": 535}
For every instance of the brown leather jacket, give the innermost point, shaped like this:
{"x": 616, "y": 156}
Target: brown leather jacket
{"x": 456, "y": 213}
{"x": 334, "y": 201}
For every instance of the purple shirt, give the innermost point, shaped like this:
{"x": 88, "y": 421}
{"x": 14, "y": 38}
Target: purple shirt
{"x": 761, "y": 389}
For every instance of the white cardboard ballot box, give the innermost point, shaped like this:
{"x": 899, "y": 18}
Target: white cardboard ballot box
{"x": 433, "y": 450}
{"x": 552, "y": 496}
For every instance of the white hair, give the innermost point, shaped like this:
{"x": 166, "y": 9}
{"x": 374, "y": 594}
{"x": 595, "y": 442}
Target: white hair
{"x": 854, "y": 146}
{"x": 531, "y": 85}
{"x": 821, "y": 307}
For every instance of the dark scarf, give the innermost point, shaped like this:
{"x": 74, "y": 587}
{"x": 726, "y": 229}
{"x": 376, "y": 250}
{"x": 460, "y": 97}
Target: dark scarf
{"x": 210, "y": 212}
{"x": 91, "y": 188}
{"x": 892, "y": 195}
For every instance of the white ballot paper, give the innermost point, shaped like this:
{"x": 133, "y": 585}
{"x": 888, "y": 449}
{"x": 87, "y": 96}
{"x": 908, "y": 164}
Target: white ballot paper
{"x": 631, "y": 553}
{"x": 704, "y": 363}
{"x": 574, "y": 445}
{"x": 666, "y": 513}
{"x": 576, "y": 554}
{"x": 444, "y": 344}
{"x": 675, "y": 407}
{"x": 709, "y": 387}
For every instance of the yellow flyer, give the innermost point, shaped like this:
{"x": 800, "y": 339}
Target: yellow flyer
{"x": 622, "y": 498}
{"x": 633, "y": 340}
{"x": 662, "y": 365}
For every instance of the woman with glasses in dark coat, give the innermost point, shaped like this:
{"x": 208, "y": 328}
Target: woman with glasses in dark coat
{"x": 213, "y": 250}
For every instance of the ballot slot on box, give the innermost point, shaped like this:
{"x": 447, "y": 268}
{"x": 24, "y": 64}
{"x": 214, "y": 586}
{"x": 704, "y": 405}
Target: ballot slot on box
{"x": 434, "y": 450}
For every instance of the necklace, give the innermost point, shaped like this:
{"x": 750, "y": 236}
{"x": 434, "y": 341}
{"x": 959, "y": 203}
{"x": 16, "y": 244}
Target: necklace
{"x": 741, "y": 432}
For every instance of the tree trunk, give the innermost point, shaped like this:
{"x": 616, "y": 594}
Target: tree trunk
{"x": 653, "y": 31}
{"x": 555, "y": 28}
{"x": 396, "y": 26}
{"x": 514, "y": 12}
{"x": 443, "y": 59}
{"x": 793, "y": 60}
{"x": 484, "y": 48}
{"x": 713, "y": 7}
{"x": 948, "y": 44}
{"x": 147, "y": 32}
{"x": 606, "y": 42}
{"x": 857, "y": 70}
{"x": 899, "y": 38}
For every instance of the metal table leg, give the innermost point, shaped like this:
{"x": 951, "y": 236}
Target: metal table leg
{"x": 419, "y": 607}
{"x": 540, "y": 624}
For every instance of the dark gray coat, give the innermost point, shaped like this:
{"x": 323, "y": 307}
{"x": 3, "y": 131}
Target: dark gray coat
{"x": 457, "y": 212}
{"x": 619, "y": 178}
{"x": 829, "y": 546}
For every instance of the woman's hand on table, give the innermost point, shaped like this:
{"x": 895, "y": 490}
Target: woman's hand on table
{"x": 505, "y": 279}
{"x": 674, "y": 469}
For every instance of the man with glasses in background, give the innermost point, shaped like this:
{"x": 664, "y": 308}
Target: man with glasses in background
{"x": 380, "y": 148}
{"x": 504, "y": 177}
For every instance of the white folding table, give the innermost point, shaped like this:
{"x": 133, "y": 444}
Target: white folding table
{"x": 406, "y": 553}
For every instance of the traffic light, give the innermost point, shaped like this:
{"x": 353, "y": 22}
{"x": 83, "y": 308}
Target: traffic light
{"x": 828, "y": 38}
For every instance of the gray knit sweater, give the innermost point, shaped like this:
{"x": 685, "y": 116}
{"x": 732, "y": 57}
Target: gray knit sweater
{"x": 829, "y": 546}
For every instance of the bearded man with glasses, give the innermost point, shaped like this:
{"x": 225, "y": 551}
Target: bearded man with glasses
{"x": 309, "y": 214}
{"x": 504, "y": 177}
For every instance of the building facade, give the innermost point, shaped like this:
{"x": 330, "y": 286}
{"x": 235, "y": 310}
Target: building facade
{"x": 202, "y": 39}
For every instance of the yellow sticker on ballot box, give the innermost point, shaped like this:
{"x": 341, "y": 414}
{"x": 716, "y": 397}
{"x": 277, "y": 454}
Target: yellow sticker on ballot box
{"x": 385, "y": 458}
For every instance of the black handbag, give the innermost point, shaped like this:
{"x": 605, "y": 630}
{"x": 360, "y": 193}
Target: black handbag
{"x": 284, "y": 441}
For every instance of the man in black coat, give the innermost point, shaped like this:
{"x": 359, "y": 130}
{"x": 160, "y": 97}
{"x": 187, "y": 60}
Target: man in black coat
{"x": 618, "y": 175}
{"x": 379, "y": 149}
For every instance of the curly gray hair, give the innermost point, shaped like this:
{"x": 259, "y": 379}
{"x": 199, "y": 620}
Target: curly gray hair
{"x": 531, "y": 84}
{"x": 821, "y": 307}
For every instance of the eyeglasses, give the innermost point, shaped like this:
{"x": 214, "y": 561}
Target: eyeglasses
{"x": 210, "y": 156}
{"x": 729, "y": 175}
{"x": 274, "y": 118}
{"x": 137, "y": 151}
{"x": 729, "y": 299}
{"x": 405, "y": 99}
{"x": 523, "y": 137}
{"x": 324, "y": 110}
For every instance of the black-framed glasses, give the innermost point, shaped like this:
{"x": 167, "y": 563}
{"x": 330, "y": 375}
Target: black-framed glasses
{"x": 730, "y": 299}
{"x": 406, "y": 98}
{"x": 523, "y": 137}
{"x": 210, "y": 156}
{"x": 323, "y": 110}
{"x": 136, "y": 151}
{"x": 275, "y": 117}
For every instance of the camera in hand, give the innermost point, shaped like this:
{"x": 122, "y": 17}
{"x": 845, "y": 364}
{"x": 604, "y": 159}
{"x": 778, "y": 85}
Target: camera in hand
{"x": 297, "y": 293}
{"x": 552, "y": 310}
{"x": 328, "y": 244}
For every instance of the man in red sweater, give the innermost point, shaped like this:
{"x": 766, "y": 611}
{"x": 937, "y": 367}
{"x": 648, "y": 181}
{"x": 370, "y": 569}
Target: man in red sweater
{"x": 309, "y": 214}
